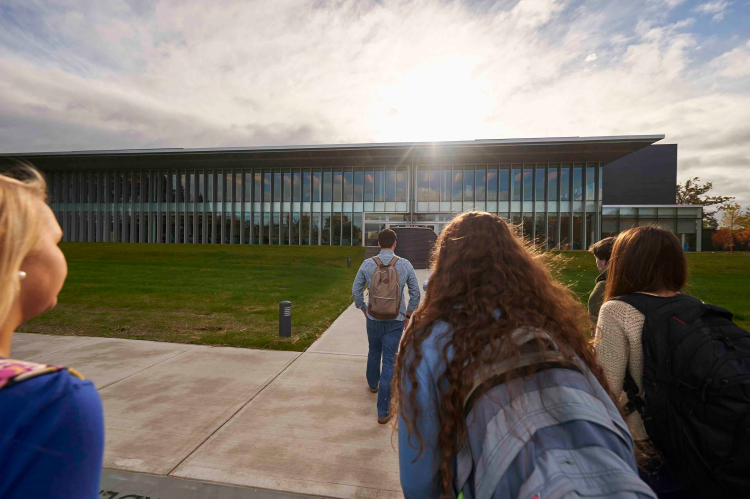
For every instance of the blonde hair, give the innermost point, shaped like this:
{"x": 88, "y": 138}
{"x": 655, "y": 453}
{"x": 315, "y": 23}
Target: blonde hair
{"x": 20, "y": 187}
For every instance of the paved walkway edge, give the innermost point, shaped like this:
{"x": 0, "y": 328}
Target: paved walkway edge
{"x": 125, "y": 484}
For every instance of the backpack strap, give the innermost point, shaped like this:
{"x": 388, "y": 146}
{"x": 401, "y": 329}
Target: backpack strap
{"x": 378, "y": 262}
{"x": 14, "y": 371}
{"x": 392, "y": 262}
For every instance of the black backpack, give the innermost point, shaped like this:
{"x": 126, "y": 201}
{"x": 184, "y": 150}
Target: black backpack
{"x": 696, "y": 378}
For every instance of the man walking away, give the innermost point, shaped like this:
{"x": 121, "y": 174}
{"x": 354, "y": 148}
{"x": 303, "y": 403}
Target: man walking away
{"x": 602, "y": 252}
{"x": 387, "y": 315}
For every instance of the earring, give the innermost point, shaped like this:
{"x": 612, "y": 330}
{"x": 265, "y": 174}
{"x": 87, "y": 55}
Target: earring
{"x": 21, "y": 275}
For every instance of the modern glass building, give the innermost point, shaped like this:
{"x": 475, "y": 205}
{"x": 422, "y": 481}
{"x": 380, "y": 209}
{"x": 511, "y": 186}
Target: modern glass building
{"x": 341, "y": 195}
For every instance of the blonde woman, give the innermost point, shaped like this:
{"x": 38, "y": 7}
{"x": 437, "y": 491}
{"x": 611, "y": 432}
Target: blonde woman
{"x": 52, "y": 437}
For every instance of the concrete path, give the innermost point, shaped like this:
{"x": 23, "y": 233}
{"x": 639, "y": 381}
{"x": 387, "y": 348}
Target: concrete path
{"x": 198, "y": 421}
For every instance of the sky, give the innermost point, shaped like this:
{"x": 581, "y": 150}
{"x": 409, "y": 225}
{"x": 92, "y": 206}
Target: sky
{"x": 87, "y": 74}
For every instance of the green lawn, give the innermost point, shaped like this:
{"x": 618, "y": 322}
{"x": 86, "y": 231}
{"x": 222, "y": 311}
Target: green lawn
{"x": 719, "y": 278}
{"x": 216, "y": 295}
{"x": 229, "y": 295}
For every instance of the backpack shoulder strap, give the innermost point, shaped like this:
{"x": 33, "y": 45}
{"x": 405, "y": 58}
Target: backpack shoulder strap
{"x": 657, "y": 309}
{"x": 14, "y": 371}
{"x": 392, "y": 262}
{"x": 377, "y": 261}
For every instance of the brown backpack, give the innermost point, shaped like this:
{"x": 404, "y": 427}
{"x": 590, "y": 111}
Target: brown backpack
{"x": 385, "y": 291}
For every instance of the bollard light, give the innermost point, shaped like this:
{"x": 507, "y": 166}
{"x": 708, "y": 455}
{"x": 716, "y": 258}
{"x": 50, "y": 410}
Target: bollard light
{"x": 285, "y": 319}
{"x": 348, "y": 262}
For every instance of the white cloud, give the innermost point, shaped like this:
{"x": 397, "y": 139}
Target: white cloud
{"x": 718, "y": 9}
{"x": 180, "y": 74}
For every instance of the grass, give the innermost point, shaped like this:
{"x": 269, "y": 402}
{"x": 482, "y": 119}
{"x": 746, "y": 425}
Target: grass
{"x": 721, "y": 279}
{"x": 229, "y": 295}
{"x": 215, "y": 295}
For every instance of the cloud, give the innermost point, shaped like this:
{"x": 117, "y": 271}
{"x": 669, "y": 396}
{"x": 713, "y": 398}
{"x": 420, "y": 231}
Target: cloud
{"x": 185, "y": 74}
{"x": 718, "y": 9}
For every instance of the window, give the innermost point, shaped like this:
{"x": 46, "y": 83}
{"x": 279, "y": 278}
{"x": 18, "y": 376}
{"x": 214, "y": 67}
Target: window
{"x": 359, "y": 186}
{"x": 237, "y": 193}
{"x": 229, "y": 191}
{"x": 181, "y": 188}
{"x": 565, "y": 184}
{"x": 369, "y": 186}
{"x": 390, "y": 186}
{"x": 287, "y": 186}
{"x": 348, "y": 187}
{"x": 219, "y": 186}
{"x": 201, "y": 188}
{"x": 552, "y": 182}
{"x": 590, "y": 183}
{"x": 445, "y": 194}
{"x": 357, "y": 235}
{"x": 577, "y": 185}
{"x": 516, "y": 184}
{"x": 528, "y": 185}
{"x": 492, "y": 184}
{"x": 276, "y": 195}
{"x": 337, "y": 185}
{"x": 296, "y": 191}
{"x": 359, "y": 181}
{"x": 316, "y": 188}
{"x": 423, "y": 185}
{"x": 315, "y": 229}
{"x": 379, "y": 186}
{"x": 210, "y": 188}
{"x": 469, "y": 184}
{"x": 458, "y": 184}
{"x": 401, "y": 186}
{"x": 481, "y": 184}
{"x": 540, "y": 181}
{"x": 504, "y": 189}
{"x": 191, "y": 187}
{"x": 306, "y": 189}
{"x": 434, "y": 191}
{"x": 266, "y": 196}
{"x": 336, "y": 222}
{"x": 248, "y": 197}
{"x": 327, "y": 181}
{"x": 258, "y": 194}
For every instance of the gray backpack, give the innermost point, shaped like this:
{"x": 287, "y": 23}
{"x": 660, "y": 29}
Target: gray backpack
{"x": 385, "y": 291}
{"x": 551, "y": 435}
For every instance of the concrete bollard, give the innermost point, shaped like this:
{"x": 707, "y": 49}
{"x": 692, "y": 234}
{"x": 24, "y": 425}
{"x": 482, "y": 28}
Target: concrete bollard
{"x": 285, "y": 319}
{"x": 348, "y": 262}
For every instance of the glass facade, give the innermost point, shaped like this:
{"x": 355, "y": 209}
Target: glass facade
{"x": 556, "y": 205}
{"x": 685, "y": 221}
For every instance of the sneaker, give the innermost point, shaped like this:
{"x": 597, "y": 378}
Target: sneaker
{"x": 374, "y": 390}
{"x": 384, "y": 420}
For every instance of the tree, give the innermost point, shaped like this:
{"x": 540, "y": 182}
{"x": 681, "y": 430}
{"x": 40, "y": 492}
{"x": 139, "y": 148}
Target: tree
{"x": 743, "y": 237}
{"x": 723, "y": 238}
{"x": 693, "y": 192}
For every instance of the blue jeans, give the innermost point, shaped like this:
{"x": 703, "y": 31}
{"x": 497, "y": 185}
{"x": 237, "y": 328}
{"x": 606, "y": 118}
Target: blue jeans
{"x": 383, "y": 337}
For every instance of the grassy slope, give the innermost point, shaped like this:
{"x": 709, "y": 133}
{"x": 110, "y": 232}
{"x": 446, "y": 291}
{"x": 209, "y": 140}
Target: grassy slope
{"x": 719, "y": 278}
{"x": 228, "y": 295}
{"x": 225, "y": 295}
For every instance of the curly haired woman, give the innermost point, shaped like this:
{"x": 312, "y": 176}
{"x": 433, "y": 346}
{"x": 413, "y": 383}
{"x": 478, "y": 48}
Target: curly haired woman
{"x": 497, "y": 389}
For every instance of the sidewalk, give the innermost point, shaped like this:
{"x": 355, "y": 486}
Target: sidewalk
{"x": 235, "y": 422}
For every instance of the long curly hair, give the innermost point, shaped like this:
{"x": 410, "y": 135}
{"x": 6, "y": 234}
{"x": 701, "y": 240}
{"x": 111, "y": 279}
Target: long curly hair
{"x": 479, "y": 267}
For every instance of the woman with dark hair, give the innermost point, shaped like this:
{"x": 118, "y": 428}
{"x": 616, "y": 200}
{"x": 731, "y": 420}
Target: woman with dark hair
{"x": 647, "y": 260}
{"x": 497, "y": 389}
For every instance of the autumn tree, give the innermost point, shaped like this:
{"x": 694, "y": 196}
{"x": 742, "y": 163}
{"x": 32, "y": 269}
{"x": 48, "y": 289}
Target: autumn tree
{"x": 694, "y": 192}
{"x": 723, "y": 239}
